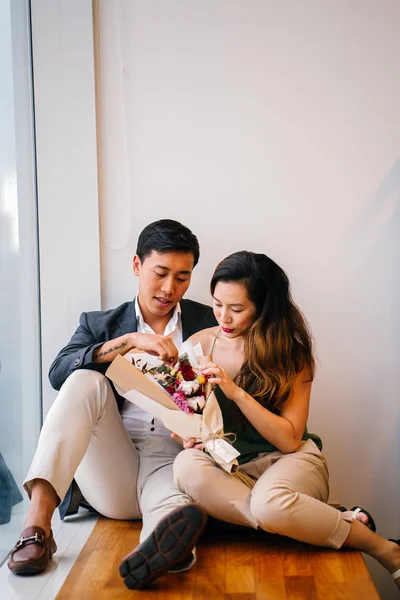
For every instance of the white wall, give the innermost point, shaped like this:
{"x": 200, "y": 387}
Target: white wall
{"x": 272, "y": 126}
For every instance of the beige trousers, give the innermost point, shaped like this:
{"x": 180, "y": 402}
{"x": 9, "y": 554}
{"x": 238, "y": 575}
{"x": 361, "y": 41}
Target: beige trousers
{"x": 289, "y": 497}
{"x": 83, "y": 437}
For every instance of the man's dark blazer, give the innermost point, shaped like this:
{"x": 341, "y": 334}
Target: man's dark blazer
{"x": 98, "y": 327}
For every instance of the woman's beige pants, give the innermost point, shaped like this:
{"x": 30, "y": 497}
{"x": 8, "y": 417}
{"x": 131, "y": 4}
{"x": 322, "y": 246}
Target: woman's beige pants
{"x": 83, "y": 437}
{"x": 289, "y": 497}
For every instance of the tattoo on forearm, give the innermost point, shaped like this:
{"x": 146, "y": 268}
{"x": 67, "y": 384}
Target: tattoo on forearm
{"x": 99, "y": 354}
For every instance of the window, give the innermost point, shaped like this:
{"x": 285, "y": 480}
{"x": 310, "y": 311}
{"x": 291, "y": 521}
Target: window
{"x": 20, "y": 388}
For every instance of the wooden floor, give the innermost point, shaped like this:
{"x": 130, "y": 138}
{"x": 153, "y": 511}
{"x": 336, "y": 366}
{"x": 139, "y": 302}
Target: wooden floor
{"x": 233, "y": 564}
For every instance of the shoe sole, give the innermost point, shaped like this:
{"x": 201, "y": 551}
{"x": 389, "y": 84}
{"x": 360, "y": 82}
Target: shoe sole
{"x": 170, "y": 543}
{"x": 31, "y": 571}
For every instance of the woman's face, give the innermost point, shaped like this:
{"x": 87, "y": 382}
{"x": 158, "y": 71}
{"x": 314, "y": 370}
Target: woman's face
{"x": 233, "y": 310}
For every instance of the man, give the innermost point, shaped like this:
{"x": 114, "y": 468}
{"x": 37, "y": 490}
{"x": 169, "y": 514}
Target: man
{"x": 120, "y": 457}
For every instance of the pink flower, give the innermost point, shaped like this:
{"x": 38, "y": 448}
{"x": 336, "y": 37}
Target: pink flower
{"x": 181, "y": 401}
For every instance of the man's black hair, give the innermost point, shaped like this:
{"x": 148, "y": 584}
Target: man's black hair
{"x": 167, "y": 235}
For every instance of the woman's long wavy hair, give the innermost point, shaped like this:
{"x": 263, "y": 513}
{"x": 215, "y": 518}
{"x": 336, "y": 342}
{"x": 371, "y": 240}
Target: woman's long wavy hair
{"x": 278, "y": 344}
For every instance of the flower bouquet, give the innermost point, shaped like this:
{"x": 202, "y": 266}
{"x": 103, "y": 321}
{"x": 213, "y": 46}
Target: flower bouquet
{"x": 181, "y": 397}
{"x": 186, "y": 385}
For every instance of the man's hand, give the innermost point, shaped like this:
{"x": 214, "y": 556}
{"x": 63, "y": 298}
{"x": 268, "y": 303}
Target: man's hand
{"x": 157, "y": 345}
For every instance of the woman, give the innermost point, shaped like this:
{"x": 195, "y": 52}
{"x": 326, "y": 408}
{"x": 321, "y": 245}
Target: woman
{"x": 262, "y": 366}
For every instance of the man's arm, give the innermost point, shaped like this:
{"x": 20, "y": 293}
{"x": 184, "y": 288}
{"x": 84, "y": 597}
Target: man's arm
{"x": 84, "y": 351}
{"x": 77, "y": 354}
{"x": 157, "y": 345}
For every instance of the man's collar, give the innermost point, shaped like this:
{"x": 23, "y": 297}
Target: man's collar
{"x": 175, "y": 315}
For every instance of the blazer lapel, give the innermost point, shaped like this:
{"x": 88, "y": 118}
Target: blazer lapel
{"x": 127, "y": 322}
{"x": 190, "y": 320}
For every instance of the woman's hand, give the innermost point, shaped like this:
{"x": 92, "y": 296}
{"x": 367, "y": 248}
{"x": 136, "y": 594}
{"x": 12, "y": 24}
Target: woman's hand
{"x": 220, "y": 377}
{"x": 187, "y": 442}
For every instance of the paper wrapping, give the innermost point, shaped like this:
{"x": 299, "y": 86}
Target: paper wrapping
{"x": 146, "y": 393}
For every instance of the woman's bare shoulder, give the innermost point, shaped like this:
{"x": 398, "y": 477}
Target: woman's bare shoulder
{"x": 205, "y": 337}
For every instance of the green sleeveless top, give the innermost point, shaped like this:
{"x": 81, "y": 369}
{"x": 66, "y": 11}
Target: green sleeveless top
{"x": 249, "y": 442}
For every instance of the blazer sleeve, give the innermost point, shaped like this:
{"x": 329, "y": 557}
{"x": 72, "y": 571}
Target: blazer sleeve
{"x": 77, "y": 354}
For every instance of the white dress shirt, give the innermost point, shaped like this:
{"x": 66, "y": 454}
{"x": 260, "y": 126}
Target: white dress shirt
{"x": 137, "y": 421}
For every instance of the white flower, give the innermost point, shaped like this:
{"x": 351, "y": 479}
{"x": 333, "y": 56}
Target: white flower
{"x": 196, "y": 402}
{"x": 189, "y": 387}
{"x": 159, "y": 376}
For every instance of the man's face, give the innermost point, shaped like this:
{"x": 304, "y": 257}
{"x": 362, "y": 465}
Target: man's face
{"x": 163, "y": 280}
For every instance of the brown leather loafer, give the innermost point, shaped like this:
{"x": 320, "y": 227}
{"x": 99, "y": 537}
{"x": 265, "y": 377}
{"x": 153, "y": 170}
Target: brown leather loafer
{"x": 32, "y": 552}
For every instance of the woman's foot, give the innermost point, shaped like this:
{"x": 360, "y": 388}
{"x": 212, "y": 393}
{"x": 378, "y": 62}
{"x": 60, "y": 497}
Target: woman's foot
{"x": 32, "y": 553}
{"x": 359, "y": 514}
{"x": 390, "y": 559}
{"x": 386, "y": 552}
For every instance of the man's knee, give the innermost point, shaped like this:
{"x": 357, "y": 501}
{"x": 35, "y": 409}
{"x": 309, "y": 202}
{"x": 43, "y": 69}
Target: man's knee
{"x": 82, "y": 386}
{"x": 189, "y": 469}
{"x": 84, "y": 377}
